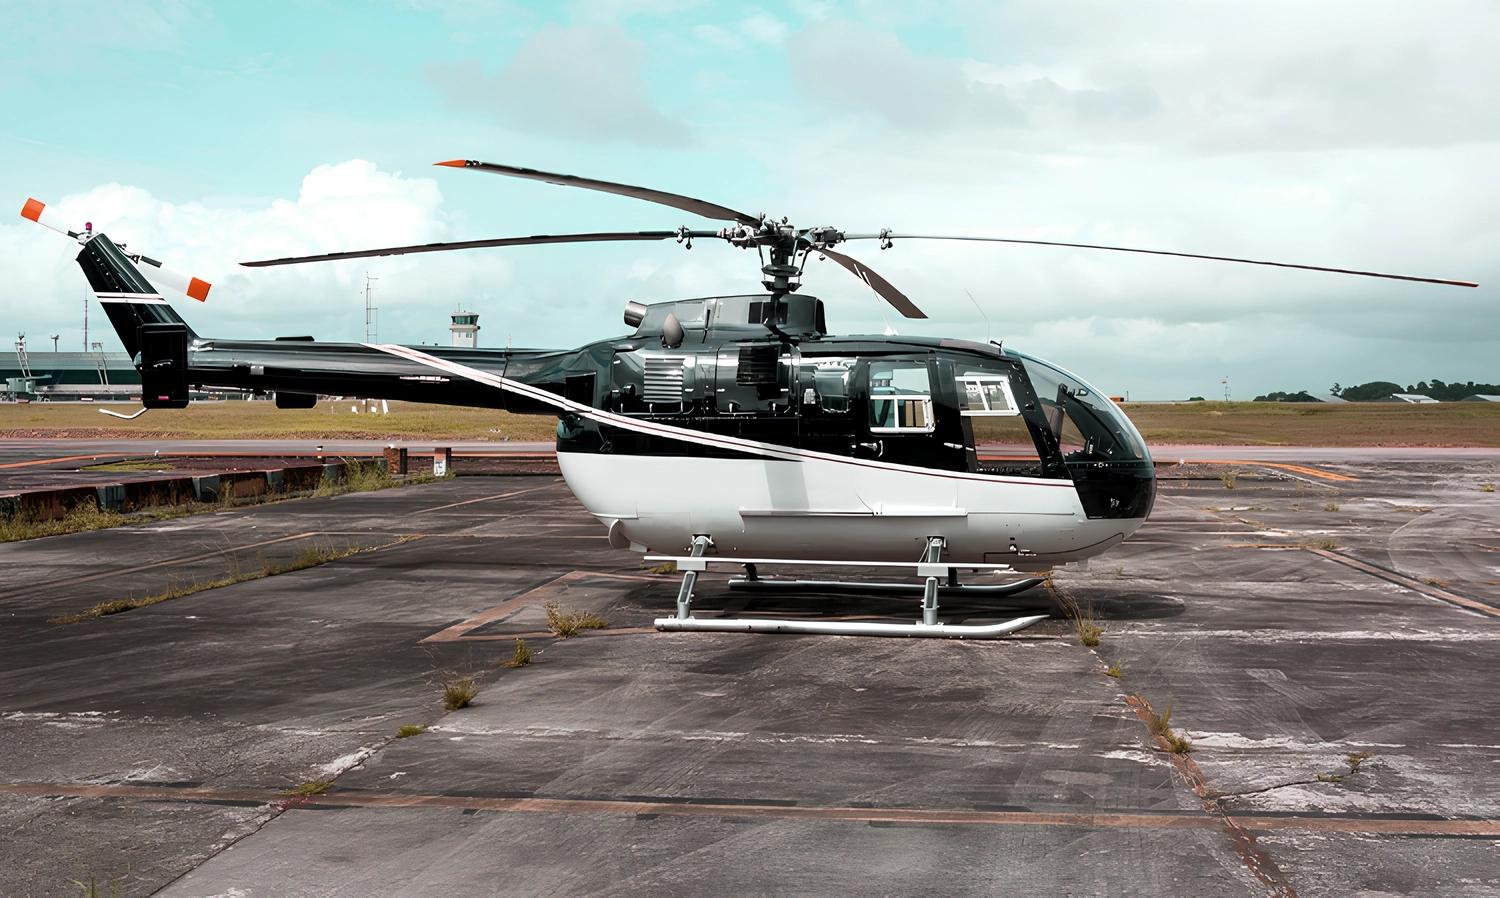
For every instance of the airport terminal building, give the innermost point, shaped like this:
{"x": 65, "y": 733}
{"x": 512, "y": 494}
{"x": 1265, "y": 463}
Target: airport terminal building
{"x": 68, "y": 375}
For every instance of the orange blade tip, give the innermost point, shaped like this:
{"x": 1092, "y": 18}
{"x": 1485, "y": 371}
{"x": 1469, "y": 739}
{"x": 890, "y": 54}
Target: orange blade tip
{"x": 198, "y": 289}
{"x": 33, "y": 209}
{"x": 453, "y": 163}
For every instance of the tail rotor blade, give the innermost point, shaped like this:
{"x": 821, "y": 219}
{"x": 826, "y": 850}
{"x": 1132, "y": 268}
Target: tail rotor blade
{"x": 888, "y": 235}
{"x": 39, "y": 212}
{"x": 162, "y": 276}
{"x": 875, "y": 282}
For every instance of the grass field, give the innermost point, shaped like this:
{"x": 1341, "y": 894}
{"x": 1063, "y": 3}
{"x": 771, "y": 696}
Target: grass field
{"x": 262, "y": 420}
{"x": 1214, "y": 423}
{"x": 1317, "y": 424}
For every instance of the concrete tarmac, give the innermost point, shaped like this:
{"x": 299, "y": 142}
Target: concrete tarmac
{"x": 1292, "y": 624}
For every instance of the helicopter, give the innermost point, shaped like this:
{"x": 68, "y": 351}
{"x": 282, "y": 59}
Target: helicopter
{"x": 737, "y": 429}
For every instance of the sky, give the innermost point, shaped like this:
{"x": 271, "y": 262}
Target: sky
{"x": 1349, "y": 134}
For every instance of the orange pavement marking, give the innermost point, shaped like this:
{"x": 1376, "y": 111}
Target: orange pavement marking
{"x": 458, "y": 632}
{"x": 60, "y": 460}
{"x": 1295, "y": 469}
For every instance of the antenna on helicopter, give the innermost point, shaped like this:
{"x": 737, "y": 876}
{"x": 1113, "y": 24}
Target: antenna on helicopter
{"x": 989, "y": 334}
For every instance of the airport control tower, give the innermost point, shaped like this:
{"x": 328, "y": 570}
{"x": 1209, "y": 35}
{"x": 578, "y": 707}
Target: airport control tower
{"x": 465, "y": 329}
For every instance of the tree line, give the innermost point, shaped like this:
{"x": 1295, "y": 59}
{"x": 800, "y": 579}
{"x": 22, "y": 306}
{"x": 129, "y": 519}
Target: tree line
{"x": 1377, "y": 390}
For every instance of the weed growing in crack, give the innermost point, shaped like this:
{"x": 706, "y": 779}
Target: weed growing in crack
{"x": 522, "y": 656}
{"x": 1085, "y": 621}
{"x": 1159, "y": 724}
{"x": 459, "y": 692}
{"x": 311, "y": 787}
{"x": 565, "y": 624}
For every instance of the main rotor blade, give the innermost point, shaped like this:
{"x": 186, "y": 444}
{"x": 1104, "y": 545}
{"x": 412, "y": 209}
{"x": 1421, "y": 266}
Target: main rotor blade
{"x": 1161, "y": 252}
{"x": 880, "y": 285}
{"x": 596, "y": 237}
{"x": 676, "y": 201}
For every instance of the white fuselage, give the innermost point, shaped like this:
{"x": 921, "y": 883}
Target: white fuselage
{"x": 847, "y": 510}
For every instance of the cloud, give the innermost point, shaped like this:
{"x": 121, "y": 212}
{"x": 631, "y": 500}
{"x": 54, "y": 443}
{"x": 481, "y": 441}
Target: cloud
{"x": 852, "y": 69}
{"x": 582, "y": 81}
{"x": 1278, "y": 75}
{"x": 349, "y": 205}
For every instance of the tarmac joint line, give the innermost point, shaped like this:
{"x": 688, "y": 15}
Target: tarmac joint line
{"x": 722, "y": 807}
{"x": 1255, "y": 858}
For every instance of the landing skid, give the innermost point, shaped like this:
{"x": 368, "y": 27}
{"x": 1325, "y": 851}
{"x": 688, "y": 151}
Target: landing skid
{"x": 940, "y": 578}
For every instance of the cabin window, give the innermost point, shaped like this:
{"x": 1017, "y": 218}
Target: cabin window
{"x": 985, "y": 395}
{"x": 900, "y": 398}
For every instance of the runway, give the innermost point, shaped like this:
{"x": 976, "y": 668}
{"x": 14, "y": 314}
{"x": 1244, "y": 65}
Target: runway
{"x": 1288, "y": 624}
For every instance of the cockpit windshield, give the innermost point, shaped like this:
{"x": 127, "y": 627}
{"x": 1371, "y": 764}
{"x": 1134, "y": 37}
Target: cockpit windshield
{"x": 1088, "y": 426}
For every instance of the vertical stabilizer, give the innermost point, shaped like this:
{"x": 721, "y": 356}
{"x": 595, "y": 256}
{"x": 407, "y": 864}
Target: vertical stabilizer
{"x": 128, "y": 298}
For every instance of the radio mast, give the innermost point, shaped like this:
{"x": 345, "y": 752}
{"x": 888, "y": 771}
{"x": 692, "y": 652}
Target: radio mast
{"x": 370, "y": 329}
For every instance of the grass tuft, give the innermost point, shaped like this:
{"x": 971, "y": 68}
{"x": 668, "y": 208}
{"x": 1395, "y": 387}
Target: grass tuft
{"x": 1115, "y": 671}
{"x": 1228, "y": 479}
{"x": 1089, "y": 633}
{"x": 1331, "y": 506}
{"x": 522, "y": 656}
{"x": 1353, "y": 759}
{"x": 1159, "y": 724}
{"x": 1085, "y": 622}
{"x": 311, "y": 787}
{"x": 459, "y": 692}
{"x": 1486, "y": 487}
{"x": 84, "y": 517}
{"x": 1326, "y": 544}
{"x": 666, "y": 567}
{"x": 410, "y": 729}
{"x": 125, "y": 465}
{"x": 565, "y": 624}
{"x": 359, "y": 477}
{"x": 1178, "y": 743}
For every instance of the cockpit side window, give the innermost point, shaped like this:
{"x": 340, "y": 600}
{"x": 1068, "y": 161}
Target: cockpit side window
{"x": 996, "y": 432}
{"x": 982, "y": 394}
{"x": 900, "y": 398}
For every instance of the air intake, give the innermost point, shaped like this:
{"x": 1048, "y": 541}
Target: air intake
{"x": 757, "y": 367}
{"x": 663, "y": 378}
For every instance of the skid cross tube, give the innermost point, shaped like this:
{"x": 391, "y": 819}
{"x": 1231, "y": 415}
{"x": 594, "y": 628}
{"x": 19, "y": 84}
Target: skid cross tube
{"x": 938, "y": 577}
